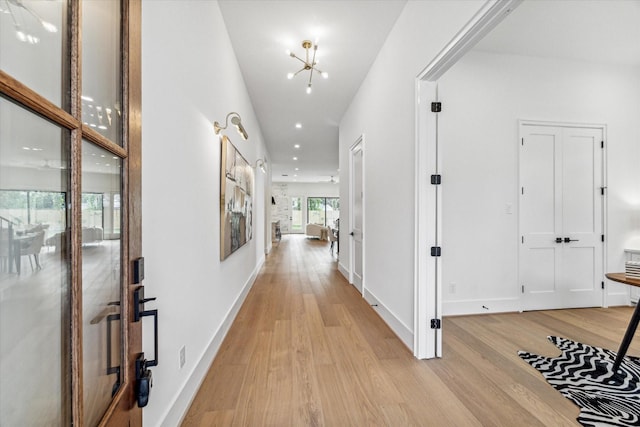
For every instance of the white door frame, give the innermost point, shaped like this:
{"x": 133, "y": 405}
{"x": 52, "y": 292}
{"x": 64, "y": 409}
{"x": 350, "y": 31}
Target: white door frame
{"x": 603, "y": 180}
{"x": 354, "y": 147}
{"x": 427, "y": 278}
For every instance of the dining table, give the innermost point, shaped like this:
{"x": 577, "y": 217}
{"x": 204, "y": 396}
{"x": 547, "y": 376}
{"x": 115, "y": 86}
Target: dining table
{"x": 633, "y": 322}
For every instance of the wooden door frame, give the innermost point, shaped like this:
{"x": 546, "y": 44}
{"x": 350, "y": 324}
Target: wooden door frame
{"x": 123, "y": 410}
{"x": 603, "y": 206}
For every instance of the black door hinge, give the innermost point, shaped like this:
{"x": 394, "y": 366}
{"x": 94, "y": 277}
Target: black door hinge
{"x": 436, "y": 324}
{"x": 436, "y": 250}
{"x": 602, "y": 190}
{"x": 602, "y": 237}
{"x": 436, "y": 179}
{"x": 436, "y": 107}
{"x": 602, "y": 285}
{"x": 601, "y": 144}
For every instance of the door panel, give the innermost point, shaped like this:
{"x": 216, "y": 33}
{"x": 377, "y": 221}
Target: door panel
{"x": 561, "y": 176}
{"x": 63, "y": 335}
{"x": 34, "y": 270}
{"x": 102, "y": 329}
{"x": 357, "y": 216}
{"x": 541, "y": 256}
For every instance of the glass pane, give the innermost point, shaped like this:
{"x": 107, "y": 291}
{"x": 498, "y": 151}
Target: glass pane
{"x": 315, "y": 210}
{"x": 333, "y": 211}
{"x": 31, "y": 39}
{"x": 101, "y": 65}
{"x": 34, "y": 280}
{"x": 101, "y": 283}
{"x": 296, "y": 214}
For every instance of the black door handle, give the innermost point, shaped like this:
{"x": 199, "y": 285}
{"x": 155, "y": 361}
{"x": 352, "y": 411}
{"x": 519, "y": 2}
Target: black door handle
{"x": 558, "y": 239}
{"x": 351, "y": 234}
{"x": 568, "y": 239}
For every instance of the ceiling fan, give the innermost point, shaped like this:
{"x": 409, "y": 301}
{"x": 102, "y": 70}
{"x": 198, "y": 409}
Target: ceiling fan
{"x": 331, "y": 180}
{"x": 45, "y": 166}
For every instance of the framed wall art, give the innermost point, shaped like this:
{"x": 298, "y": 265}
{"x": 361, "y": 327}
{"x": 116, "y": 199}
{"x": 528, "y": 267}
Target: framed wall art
{"x": 236, "y": 199}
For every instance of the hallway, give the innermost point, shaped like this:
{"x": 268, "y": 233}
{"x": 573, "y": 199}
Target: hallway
{"x": 307, "y": 350}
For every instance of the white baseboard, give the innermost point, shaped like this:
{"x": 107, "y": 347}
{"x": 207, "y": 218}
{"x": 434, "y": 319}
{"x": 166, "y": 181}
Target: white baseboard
{"x": 178, "y": 409}
{"x": 400, "y": 329}
{"x": 343, "y": 270}
{"x": 618, "y": 299}
{"x": 458, "y": 308}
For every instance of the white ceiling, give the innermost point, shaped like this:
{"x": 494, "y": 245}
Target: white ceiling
{"x": 349, "y": 33}
{"x": 586, "y": 30}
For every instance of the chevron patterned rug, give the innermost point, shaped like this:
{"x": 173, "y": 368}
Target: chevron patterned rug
{"x": 583, "y": 374}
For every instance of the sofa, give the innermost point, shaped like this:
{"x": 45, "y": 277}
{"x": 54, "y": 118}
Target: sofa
{"x": 89, "y": 235}
{"x": 318, "y": 231}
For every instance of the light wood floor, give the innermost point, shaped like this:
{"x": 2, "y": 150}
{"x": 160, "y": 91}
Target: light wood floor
{"x": 307, "y": 350}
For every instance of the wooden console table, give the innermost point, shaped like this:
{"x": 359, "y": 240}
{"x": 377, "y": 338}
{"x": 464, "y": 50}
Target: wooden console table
{"x": 633, "y": 323}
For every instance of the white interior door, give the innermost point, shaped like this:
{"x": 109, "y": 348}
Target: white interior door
{"x": 357, "y": 215}
{"x": 561, "y": 227}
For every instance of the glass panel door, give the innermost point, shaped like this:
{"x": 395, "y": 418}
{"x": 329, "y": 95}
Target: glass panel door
{"x": 296, "y": 215}
{"x": 332, "y": 205}
{"x": 34, "y": 275}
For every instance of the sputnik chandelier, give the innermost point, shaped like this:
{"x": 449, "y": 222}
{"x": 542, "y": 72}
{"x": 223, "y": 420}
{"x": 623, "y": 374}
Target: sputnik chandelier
{"x": 23, "y": 32}
{"x": 307, "y": 64}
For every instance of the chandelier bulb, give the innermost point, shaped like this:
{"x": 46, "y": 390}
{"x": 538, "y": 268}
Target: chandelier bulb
{"x": 325, "y": 75}
{"x": 290, "y": 76}
{"x": 309, "y": 88}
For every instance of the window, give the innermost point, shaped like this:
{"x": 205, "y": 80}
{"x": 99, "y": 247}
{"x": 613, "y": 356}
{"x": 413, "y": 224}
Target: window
{"x": 24, "y": 208}
{"x": 323, "y": 210}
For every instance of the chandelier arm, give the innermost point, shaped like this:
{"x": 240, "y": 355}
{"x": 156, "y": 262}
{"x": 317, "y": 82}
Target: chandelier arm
{"x": 315, "y": 49}
{"x": 299, "y": 59}
{"x": 298, "y": 72}
{"x": 317, "y": 70}
{"x": 13, "y": 17}
{"x": 310, "y": 75}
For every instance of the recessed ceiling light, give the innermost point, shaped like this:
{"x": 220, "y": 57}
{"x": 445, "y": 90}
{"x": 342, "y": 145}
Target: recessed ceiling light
{"x": 295, "y": 158}
{"x": 298, "y": 125}
{"x": 296, "y": 146}
{"x": 297, "y": 169}
{"x": 26, "y": 148}
{"x": 295, "y": 175}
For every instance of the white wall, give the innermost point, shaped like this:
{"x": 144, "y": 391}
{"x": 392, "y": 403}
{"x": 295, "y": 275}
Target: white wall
{"x": 483, "y": 97}
{"x": 384, "y": 111}
{"x": 190, "y": 79}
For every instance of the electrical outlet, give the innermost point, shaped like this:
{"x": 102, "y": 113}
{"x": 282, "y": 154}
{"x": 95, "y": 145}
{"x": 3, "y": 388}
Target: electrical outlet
{"x": 508, "y": 208}
{"x": 452, "y": 288}
{"x": 183, "y": 357}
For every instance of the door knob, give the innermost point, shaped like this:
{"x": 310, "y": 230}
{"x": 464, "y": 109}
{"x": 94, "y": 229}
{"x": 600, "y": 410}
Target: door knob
{"x": 558, "y": 239}
{"x": 568, "y": 239}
